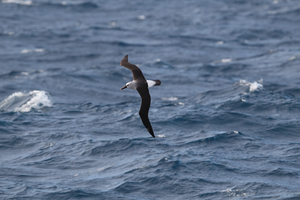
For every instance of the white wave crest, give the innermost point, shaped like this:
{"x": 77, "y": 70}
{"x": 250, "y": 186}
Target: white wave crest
{"x": 161, "y": 136}
{"x": 25, "y": 102}
{"x": 255, "y": 86}
{"x": 32, "y": 50}
{"x": 170, "y": 98}
{"x": 24, "y": 2}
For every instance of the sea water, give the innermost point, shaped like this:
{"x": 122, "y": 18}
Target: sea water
{"x": 226, "y": 116}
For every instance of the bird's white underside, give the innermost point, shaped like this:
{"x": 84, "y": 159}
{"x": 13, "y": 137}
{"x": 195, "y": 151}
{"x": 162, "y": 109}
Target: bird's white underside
{"x": 133, "y": 84}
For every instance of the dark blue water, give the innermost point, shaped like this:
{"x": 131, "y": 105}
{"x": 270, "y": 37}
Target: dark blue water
{"x": 226, "y": 115}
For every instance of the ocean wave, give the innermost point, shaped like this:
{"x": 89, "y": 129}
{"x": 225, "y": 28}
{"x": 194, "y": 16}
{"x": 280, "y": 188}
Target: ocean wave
{"x": 25, "y": 102}
{"x": 221, "y": 133}
{"x": 211, "y": 137}
{"x": 62, "y": 4}
{"x": 12, "y": 142}
{"x": 281, "y": 172}
{"x": 16, "y": 74}
{"x": 266, "y": 103}
{"x": 255, "y": 86}
{"x": 234, "y": 93}
{"x": 73, "y": 5}
{"x": 109, "y": 148}
{"x": 13, "y": 74}
{"x": 165, "y": 172}
{"x": 21, "y": 2}
{"x": 32, "y": 50}
{"x": 74, "y": 194}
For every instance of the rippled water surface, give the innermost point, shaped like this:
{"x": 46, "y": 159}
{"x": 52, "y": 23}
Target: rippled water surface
{"x": 226, "y": 116}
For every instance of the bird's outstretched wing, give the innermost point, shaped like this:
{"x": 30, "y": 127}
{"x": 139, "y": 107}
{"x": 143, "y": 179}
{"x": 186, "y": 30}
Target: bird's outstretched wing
{"x": 146, "y": 101}
{"x": 136, "y": 72}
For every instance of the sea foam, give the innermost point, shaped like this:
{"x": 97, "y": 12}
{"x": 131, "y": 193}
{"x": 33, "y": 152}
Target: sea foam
{"x": 255, "y": 86}
{"x": 25, "y": 102}
{"x": 25, "y": 2}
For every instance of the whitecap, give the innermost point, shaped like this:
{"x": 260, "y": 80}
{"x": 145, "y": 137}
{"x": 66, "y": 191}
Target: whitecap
{"x": 161, "y": 136}
{"x": 234, "y": 192}
{"x": 22, "y": 2}
{"x": 25, "y": 102}
{"x": 141, "y": 17}
{"x": 25, "y": 73}
{"x": 255, "y": 86}
{"x": 32, "y": 50}
{"x": 294, "y": 57}
{"x": 226, "y": 60}
{"x": 170, "y": 98}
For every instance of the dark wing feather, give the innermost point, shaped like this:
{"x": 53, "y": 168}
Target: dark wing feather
{"x": 146, "y": 101}
{"x": 136, "y": 72}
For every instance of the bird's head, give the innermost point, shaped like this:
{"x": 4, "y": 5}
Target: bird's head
{"x": 130, "y": 85}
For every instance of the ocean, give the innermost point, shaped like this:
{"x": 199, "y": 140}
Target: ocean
{"x": 226, "y": 115}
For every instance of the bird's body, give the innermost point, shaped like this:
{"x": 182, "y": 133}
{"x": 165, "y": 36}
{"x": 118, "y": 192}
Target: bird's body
{"x": 140, "y": 84}
{"x": 134, "y": 84}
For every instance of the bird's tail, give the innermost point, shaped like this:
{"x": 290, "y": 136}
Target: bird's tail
{"x": 157, "y": 82}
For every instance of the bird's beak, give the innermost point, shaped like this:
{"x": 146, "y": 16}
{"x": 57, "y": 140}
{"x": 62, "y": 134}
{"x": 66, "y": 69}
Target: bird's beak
{"x": 123, "y": 87}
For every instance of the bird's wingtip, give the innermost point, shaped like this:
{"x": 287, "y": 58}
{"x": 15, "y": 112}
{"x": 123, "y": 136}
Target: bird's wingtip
{"x": 125, "y": 59}
{"x": 151, "y": 132}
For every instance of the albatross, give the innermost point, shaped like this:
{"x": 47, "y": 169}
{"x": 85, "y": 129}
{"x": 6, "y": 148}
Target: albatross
{"x": 140, "y": 84}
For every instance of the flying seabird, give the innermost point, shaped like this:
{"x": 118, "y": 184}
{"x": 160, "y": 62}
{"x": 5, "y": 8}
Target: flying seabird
{"x": 140, "y": 84}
